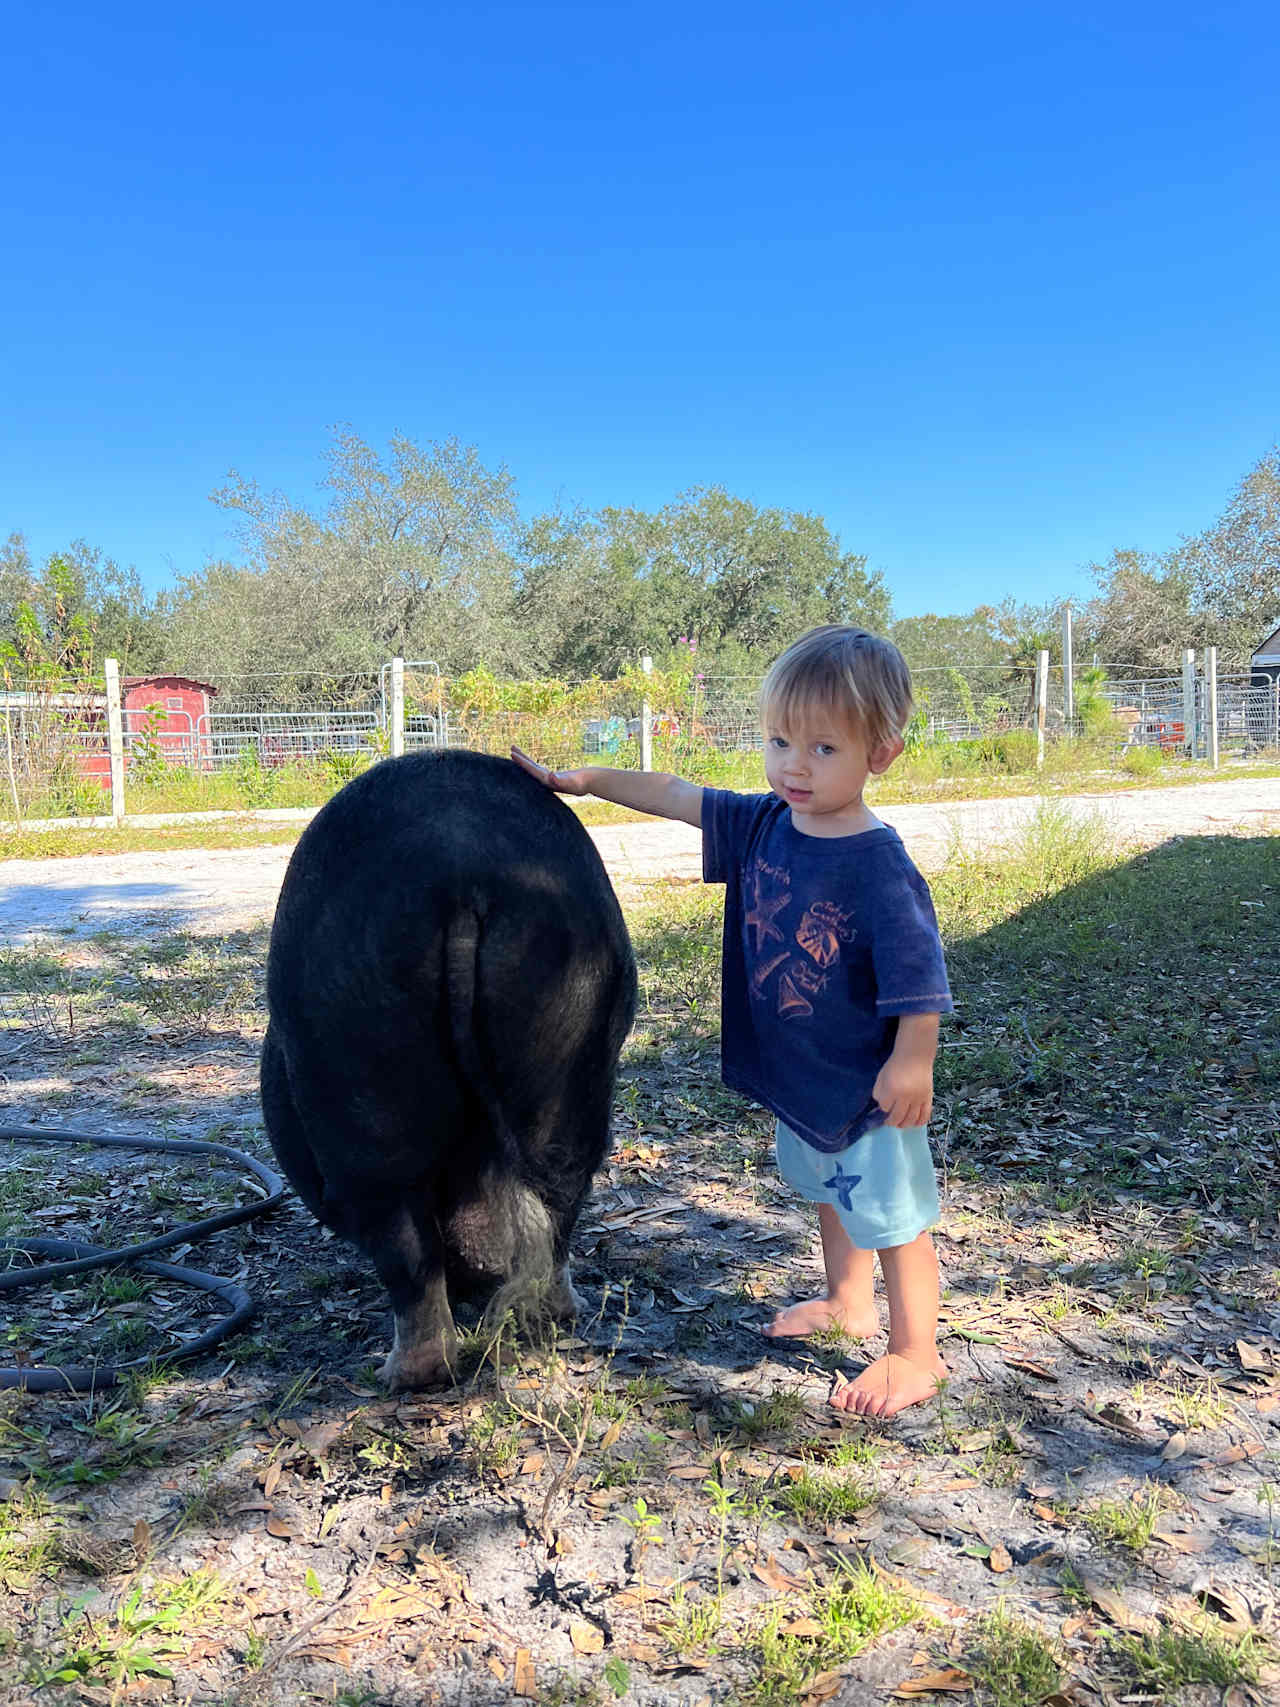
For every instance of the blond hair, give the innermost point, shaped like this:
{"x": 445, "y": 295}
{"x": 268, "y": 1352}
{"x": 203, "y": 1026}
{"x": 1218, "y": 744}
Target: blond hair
{"x": 858, "y": 677}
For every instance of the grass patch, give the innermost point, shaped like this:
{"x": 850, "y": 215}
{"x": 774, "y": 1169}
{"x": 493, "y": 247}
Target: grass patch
{"x": 1174, "y": 1659}
{"x": 1012, "y": 1664}
{"x": 1129, "y": 1522}
{"x": 840, "y": 1619}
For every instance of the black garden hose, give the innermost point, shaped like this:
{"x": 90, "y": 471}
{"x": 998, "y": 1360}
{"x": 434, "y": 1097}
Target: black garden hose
{"x": 78, "y": 1258}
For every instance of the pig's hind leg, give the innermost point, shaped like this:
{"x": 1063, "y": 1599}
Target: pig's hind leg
{"x": 409, "y": 1258}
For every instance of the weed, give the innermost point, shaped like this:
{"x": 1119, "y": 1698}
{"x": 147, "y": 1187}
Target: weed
{"x": 1129, "y": 1522}
{"x": 1171, "y": 1659}
{"x": 820, "y": 1497}
{"x": 1012, "y": 1663}
{"x": 776, "y": 1413}
{"x": 149, "y": 1628}
{"x": 850, "y": 1612}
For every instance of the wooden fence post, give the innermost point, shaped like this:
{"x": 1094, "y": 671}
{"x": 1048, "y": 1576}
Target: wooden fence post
{"x": 1211, "y": 694}
{"x": 1042, "y": 695}
{"x": 115, "y": 737}
{"x": 646, "y": 721}
{"x": 397, "y": 707}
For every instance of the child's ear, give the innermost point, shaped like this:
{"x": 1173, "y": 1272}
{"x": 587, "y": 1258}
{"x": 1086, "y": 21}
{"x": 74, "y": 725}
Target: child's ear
{"x": 880, "y": 758}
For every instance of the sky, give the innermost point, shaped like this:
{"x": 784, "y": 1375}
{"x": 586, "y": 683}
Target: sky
{"x": 990, "y": 287}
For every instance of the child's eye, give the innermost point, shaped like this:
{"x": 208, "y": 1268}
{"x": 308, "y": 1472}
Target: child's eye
{"x": 825, "y": 749}
{"x": 778, "y": 741}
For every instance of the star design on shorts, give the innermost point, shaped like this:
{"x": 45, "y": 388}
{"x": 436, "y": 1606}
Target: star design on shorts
{"x": 760, "y": 918}
{"x": 842, "y": 1184}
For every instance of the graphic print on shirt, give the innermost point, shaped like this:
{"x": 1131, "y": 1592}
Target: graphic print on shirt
{"x": 842, "y": 1184}
{"x": 822, "y": 931}
{"x": 768, "y": 903}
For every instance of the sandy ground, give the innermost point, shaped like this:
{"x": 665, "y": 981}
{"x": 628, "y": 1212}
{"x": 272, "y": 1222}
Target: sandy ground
{"x": 235, "y": 889}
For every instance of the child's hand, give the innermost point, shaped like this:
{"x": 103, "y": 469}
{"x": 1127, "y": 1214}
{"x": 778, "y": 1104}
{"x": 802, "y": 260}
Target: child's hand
{"x": 904, "y": 1090}
{"x": 564, "y": 782}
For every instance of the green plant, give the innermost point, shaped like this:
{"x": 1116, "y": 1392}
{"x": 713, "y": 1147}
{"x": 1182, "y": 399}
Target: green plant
{"x": 850, "y": 1611}
{"x": 1012, "y": 1663}
{"x": 1171, "y": 1659}
{"x": 1129, "y": 1522}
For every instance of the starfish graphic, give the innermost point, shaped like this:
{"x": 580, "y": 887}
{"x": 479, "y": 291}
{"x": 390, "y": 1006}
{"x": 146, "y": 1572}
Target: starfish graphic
{"x": 842, "y": 1184}
{"x": 760, "y": 918}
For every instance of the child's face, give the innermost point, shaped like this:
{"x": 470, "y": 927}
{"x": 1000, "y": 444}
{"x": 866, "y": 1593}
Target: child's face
{"x": 819, "y": 765}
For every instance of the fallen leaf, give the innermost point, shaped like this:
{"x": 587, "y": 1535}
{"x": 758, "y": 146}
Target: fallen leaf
{"x": 1175, "y": 1446}
{"x": 1109, "y": 1603}
{"x": 1227, "y": 1604}
{"x": 952, "y": 1681}
{"x": 321, "y": 1436}
{"x": 611, "y": 1435}
{"x": 801, "y": 1627}
{"x": 525, "y": 1681}
{"x": 278, "y": 1527}
{"x": 774, "y": 1577}
{"x": 586, "y": 1638}
{"x": 1237, "y": 1454}
{"x": 142, "y": 1538}
{"x": 271, "y": 1477}
{"x": 532, "y": 1463}
{"x": 1000, "y": 1558}
{"x": 1029, "y": 1366}
{"x": 497, "y": 1668}
{"x": 823, "y": 1687}
{"x": 1252, "y": 1356}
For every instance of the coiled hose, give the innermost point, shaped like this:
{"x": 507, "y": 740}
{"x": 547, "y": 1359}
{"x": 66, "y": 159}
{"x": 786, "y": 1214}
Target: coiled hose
{"x": 71, "y": 1258}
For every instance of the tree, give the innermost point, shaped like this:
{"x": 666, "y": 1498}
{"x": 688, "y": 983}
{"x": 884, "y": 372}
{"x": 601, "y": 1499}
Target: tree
{"x": 411, "y": 555}
{"x": 739, "y": 581}
{"x": 78, "y": 607}
{"x": 1233, "y": 568}
{"x": 1142, "y": 617}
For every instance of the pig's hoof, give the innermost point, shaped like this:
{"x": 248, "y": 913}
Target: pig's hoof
{"x": 563, "y": 1301}
{"x": 425, "y": 1365}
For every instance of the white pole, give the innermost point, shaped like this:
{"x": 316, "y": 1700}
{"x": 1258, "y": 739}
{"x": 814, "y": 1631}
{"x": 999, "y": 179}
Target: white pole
{"x": 1189, "y": 701}
{"x": 1068, "y": 685}
{"x": 115, "y": 737}
{"x": 1042, "y": 695}
{"x": 1211, "y": 710}
{"x": 397, "y": 707}
{"x": 646, "y": 721}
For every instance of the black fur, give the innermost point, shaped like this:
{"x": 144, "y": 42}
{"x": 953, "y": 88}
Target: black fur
{"x": 450, "y": 983}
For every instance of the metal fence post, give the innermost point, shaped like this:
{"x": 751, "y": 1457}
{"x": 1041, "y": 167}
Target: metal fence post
{"x": 1211, "y": 694}
{"x": 1042, "y": 695}
{"x": 1068, "y": 686}
{"x": 397, "y": 707}
{"x": 1189, "y": 701}
{"x": 646, "y": 720}
{"x": 115, "y": 737}
{"x": 1275, "y": 725}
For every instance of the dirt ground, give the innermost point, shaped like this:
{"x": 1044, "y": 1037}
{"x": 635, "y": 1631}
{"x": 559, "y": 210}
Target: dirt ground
{"x": 235, "y": 889}
{"x": 662, "y": 1509}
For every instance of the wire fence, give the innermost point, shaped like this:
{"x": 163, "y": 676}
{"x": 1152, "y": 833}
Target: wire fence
{"x": 289, "y": 739}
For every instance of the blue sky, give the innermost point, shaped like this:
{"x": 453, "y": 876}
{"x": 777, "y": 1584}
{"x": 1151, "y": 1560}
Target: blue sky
{"x": 990, "y": 287}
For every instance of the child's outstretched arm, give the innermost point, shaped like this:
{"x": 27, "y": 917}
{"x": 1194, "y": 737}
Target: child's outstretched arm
{"x": 643, "y": 791}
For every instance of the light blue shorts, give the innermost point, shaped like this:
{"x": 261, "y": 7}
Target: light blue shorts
{"x": 882, "y": 1187}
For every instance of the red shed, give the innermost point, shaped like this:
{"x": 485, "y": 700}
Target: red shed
{"x": 172, "y": 711}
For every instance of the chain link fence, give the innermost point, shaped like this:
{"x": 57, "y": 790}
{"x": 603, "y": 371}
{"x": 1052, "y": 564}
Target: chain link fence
{"x": 291, "y": 739}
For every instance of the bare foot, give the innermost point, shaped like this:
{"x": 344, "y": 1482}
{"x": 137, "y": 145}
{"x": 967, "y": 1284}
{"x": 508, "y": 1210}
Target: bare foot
{"x": 818, "y": 1313}
{"x": 889, "y": 1385}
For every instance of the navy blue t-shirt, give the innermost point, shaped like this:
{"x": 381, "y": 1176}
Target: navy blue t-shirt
{"x": 827, "y": 940}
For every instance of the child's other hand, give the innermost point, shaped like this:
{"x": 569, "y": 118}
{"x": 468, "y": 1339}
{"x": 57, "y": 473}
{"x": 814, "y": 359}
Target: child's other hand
{"x": 904, "y": 1090}
{"x": 564, "y": 782}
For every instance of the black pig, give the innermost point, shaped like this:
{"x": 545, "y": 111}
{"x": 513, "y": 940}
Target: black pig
{"x": 450, "y": 983}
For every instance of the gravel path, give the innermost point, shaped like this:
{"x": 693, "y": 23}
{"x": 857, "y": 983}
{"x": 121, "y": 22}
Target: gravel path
{"x": 236, "y": 888}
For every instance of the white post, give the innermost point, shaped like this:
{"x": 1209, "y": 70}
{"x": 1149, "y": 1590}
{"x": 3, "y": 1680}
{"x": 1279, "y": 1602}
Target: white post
{"x": 115, "y": 737}
{"x": 646, "y": 721}
{"x": 1068, "y": 685}
{"x": 1276, "y": 720}
{"x": 1189, "y": 701}
{"x": 1042, "y": 695}
{"x": 1211, "y": 694}
{"x": 397, "y": 707}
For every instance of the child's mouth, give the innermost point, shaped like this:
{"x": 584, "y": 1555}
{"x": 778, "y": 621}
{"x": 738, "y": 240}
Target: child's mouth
{"x": 799, "y": 793}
